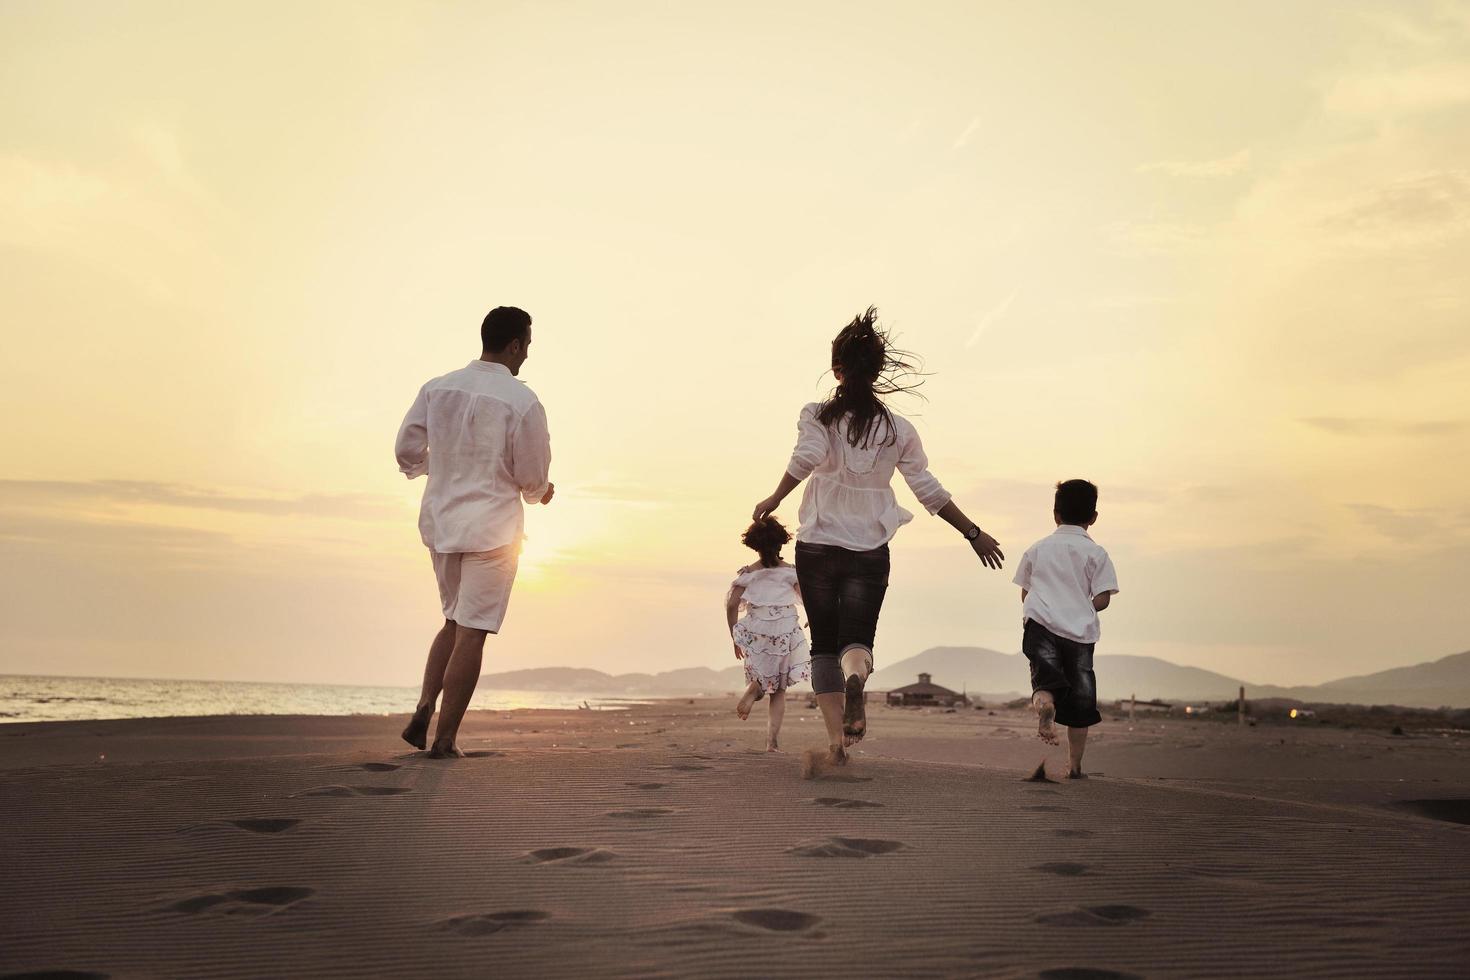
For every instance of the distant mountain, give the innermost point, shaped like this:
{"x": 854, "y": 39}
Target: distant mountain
{"x": 994, "y": 676}
{"x": 1440, "y": 683}
{"x": 685, "y": 681}
{"x": 997, "y": 675}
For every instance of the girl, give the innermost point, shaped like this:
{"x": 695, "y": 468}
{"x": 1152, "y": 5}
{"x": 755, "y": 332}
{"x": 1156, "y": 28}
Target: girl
{"x": 849, "y": 446}
{"x": 768, "y": 637}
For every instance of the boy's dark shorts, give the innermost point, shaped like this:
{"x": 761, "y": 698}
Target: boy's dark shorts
{"x": 1063, "y": 667}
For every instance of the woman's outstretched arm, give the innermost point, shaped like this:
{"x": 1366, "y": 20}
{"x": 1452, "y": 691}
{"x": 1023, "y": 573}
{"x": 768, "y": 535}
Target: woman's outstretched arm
{"x": 986, "y": 547}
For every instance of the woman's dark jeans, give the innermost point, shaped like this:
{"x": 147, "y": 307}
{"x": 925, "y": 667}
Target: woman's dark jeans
{"x": 842, "y": 591}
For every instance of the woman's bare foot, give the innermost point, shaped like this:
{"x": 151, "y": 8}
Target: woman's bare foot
{"x": 1076, "y": 774}
{"x": 854, "y": 714}
{"x": 1046, "y": 713}
{"x": 771, "y": 745}
{"x": 837, "y": 756}
{"x": 417, "y": 731}
{"x": 445, "y": 749}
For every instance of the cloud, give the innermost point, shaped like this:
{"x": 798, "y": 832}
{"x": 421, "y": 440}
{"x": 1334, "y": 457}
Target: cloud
{"x": 963, "y": 140}
{"x": 1230, "y": 166}
{"x": 1341, "y": 426}
{"x": 1423, "y": 208}
{"x": 992, "y": 315}
{"x": 1422, "y": 88}
{"x": 1401, "y": 525}
{"x": 61, "y": 494}
{"x": 1153, "y": 237}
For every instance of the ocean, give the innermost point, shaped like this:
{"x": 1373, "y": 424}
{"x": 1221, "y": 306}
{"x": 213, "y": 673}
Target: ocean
{"x": 29, "y": 698}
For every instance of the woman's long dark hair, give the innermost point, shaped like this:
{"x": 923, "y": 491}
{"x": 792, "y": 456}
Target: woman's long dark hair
{"x": 871, "y": 368}
{"x": 765, "y": 537}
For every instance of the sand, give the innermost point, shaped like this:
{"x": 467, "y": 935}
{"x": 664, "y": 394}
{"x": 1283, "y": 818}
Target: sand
{"x": 663, "y": 842}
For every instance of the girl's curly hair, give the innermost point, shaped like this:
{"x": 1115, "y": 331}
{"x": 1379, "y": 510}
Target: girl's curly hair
{"x": 765, "y": 537}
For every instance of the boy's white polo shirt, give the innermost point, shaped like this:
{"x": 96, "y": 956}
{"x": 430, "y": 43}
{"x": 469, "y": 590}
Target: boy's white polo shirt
{"x": 1061, "y": 573}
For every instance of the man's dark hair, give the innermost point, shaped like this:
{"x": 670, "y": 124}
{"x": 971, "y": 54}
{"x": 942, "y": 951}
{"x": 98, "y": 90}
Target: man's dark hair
{"x": 502, "y": 325}
{"x": 1076, "y": 501}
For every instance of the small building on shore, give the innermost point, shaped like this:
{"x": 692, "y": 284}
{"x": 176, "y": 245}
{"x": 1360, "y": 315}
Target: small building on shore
{"x": 925, "y": 694}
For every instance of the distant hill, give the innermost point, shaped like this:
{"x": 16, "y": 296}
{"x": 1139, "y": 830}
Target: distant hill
{"x": 580, "y": 680}
{"x": 993, "y": 675}
{"x": 1440, "y": 683}
{"x": 997, "y": 675}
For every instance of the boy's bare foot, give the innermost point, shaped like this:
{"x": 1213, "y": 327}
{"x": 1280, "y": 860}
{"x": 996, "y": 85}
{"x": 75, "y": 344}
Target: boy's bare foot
{"x": 1046, "y": 713}
{"x": 417, "y": 732}
{"x": 854, "y": 714}
{"x": 445, "y": 749}
{"x": 746, "y": 702}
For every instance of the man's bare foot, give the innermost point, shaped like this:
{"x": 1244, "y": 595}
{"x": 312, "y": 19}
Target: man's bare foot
{"x": 854, "y": 714}
{"x": 746, "y": 702}
{"x": 417, "y": 732}
{"x": 445, "y": 749}
{"x": 1046, "y": 713}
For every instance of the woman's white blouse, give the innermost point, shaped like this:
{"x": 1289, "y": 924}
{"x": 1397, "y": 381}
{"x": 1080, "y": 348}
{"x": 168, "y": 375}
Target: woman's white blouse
{"x": 849, "y": 500}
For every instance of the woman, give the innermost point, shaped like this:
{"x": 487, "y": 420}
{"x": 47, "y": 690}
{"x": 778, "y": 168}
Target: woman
{"x": 848, "y": 446}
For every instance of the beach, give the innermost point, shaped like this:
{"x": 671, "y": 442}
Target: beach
{"x": 662, "y": 841}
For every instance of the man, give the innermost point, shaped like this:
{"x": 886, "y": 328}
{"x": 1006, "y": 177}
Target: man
{"x": 481, "y": 437}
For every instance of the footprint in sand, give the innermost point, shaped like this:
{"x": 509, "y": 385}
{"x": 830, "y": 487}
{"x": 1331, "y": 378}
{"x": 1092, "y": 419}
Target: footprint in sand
{"x": 246, "y": 901}
{"x": 639, "y": 813}
{"x": 777, "y": 920}
{"x": 264, "y": 825}
{"x": 379, "y": 766}
{"x": 484, "y": 754}
{"x": 56, "y": 975}
{"x": 489, "y": 923}
{"x": 842, "y": 777}
{"x": 1448, "y": 810}
{"x": 1085, "y": 973}
{"x": 353, "y": 791}
{"x": 686, "y": 767}
{"x": 1048, "y": 808}
{"x": 647, "y": 785}
{"x": 846, "y": 847}
{"x": 843, "y": 803}
{"x": 569, "y": 855}
{"x": 1064, "y": 868}
{"x": 1073, "y": 833}
{"x": 1095, "y": 915}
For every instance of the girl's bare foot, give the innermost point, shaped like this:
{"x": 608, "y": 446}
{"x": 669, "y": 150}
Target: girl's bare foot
{"x": 746, "y": 702}
{"x": 1046, "y": 713}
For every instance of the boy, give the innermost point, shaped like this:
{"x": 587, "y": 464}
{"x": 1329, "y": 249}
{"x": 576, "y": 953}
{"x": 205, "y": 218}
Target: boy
{"x": 1066, "y": 578}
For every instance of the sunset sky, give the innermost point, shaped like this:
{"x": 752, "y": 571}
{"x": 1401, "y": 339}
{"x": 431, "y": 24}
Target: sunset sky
{"x": 1210, "y": 256}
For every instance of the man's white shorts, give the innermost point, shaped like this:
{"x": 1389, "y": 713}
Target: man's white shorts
{"x": 474, "y": 586}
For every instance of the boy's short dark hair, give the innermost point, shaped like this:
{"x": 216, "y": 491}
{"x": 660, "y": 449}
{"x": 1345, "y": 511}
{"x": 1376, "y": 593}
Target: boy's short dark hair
{"x": 1076, "y": 501}
{"x": 502, "y": 325}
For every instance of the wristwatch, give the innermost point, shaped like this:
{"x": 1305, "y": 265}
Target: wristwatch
{"x": 972, "y": 533}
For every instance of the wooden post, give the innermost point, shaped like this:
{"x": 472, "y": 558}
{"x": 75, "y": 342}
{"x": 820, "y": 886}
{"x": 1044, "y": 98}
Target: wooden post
{"x": 1240, "y": 706}
{"x": 1132, "y": 705}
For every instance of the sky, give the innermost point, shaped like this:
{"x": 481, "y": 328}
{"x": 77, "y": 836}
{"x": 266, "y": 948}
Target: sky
{"x": 1210, "y": 256}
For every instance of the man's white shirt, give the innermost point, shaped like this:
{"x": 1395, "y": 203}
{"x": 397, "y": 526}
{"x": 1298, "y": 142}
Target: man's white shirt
{"x": 481, "y": 437}
{"x": 1061, "y": 574}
